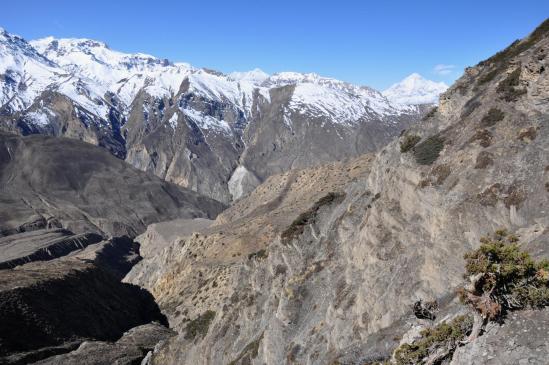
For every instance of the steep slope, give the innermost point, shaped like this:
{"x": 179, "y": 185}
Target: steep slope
{"x": 324, "y": 265}
{"x": 223, "y": 147}
{"x": 58, "y": 182}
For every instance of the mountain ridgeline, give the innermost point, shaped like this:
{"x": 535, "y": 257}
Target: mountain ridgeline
{"x": 220, "y": 135}
{"x": 361, "y": 262}
{"x": 360, "y": 228}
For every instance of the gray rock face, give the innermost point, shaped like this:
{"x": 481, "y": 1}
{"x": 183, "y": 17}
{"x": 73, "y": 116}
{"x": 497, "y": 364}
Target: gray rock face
{"x": 278, "y": 131}
{"x": 57, "y": 182}
{"x": 41, "y": 245}
{"x": 324, "y": 265}
{"x": 130, "y": 349}
{"x": 44, "y": 304}
{"x": 521, "y": 340}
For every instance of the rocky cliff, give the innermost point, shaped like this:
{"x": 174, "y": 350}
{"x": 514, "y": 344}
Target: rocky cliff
{"x": 326, "y": 265}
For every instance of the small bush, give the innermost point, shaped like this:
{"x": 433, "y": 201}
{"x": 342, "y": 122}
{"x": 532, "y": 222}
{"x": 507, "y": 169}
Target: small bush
{"x": 445, "y": 336}
{"x": 488, "y": 76}
{"x": 470, "y": 107}
{"x": 261, "y": 254}
{"x": 484, "y": 159}
{"x": 297, "y": 227}
{"x": 508, "y": 87}
{"x": 200, "y": 325}
{"x": 493, "y": 116}
{"x": 428, "y": 151}
{"x": 527, "y": 134}
{"x": 431, "y": 113}
{"x": 483, "y": 136}
{"x": 409, "y": 141}
{"x": 504, "y": 278}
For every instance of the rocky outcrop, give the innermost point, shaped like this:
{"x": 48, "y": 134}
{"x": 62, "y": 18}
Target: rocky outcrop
{"x": 57, "y": 182}
{"x": 130, "y": 349}
{"x": 521, "y": 340}
{"x": 41, "y": 245}
{"x": 45, "y": 304}
{"x": 325, "y": 265}
{"x": 224, "y": 150}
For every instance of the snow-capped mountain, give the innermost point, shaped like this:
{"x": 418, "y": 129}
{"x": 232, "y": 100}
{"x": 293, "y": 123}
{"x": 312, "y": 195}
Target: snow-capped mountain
{"x": 415, "y": 89}
{"x": 27, "y": 73}
{"x": 215, "y": 133}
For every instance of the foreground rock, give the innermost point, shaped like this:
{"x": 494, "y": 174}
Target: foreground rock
{"x": 521, "y": 340}
{"x": 325, "y": 265}
{"x": 56, "y": 182}
{"x": 130, "y": 349}
{"x": 49, "y": 307}
{"x": 41, "y": 245}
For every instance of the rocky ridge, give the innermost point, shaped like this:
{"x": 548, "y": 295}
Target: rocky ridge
{"x": 325, "y": 265}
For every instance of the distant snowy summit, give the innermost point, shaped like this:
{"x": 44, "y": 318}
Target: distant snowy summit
{"x": 415, "y": 89}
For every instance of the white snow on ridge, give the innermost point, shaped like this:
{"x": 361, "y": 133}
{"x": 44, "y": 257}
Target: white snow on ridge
{"x": 415, "y": 89}
{"x": 86, "y": 71}
{"x": 173, "y": 121}
{"x": 40, "y": 118}
{"x": 207, "y": 122}
{"x": 255, "y": 76}
{"x": 121, "y": 73}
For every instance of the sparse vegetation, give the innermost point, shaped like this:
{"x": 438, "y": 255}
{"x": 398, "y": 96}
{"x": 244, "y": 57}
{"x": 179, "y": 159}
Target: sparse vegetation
{"x": 436, "y": 343}
{"x": 483, "y": 136}
{"x": 248, "y": 353}
{"x": 297, "y": 227}
{"x": 470, "y": 107}
{"x": 508, "y": 88}
{"x": 493, "y": 116}
{"x": 200, "y": 325}
{"x": 499, "y": 60}
{"x": 528, "y": 134}
{"x": 484, "y": 159}
{"x": 409, "y": 141}
{"x": 261, "y": 254}
{"x": 428, "y": 151}
{"x": 503, "y": 277}
{"x": 431, "y": 113}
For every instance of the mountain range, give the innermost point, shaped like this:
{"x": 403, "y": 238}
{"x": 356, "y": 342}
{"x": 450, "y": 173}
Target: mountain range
{"x": 220, "y": 135}
{"x": 155, "y": 213}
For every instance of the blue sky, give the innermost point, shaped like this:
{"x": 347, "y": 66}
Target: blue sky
{"x": 374, "y": 43}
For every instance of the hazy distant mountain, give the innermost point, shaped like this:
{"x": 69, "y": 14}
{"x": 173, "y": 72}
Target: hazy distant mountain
{"x": 415, "y": 89}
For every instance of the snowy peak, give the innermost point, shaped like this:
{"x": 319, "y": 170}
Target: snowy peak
{"x": 415, "y": 89}
{"x": 255, "y": 76}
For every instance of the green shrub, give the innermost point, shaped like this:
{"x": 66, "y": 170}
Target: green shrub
{"x": 200, "y": 325}
{"x": 446, "y": 335}
{"x": 409, "y": 141}
{"x": 261, "y": 254}
{"x": 493, "y": 116}
{"x": 431, "y": 113}
{"x": 498, "y": 61}
{"x": 505, "y": 278}
{"x": 297, "y": 227}
{"x": 508, "y": 87}
{"x": 428, "y": 151}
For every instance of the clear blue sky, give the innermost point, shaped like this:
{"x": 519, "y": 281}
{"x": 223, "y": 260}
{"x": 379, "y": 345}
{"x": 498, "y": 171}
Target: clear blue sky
{"x": 373, "y": 43}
